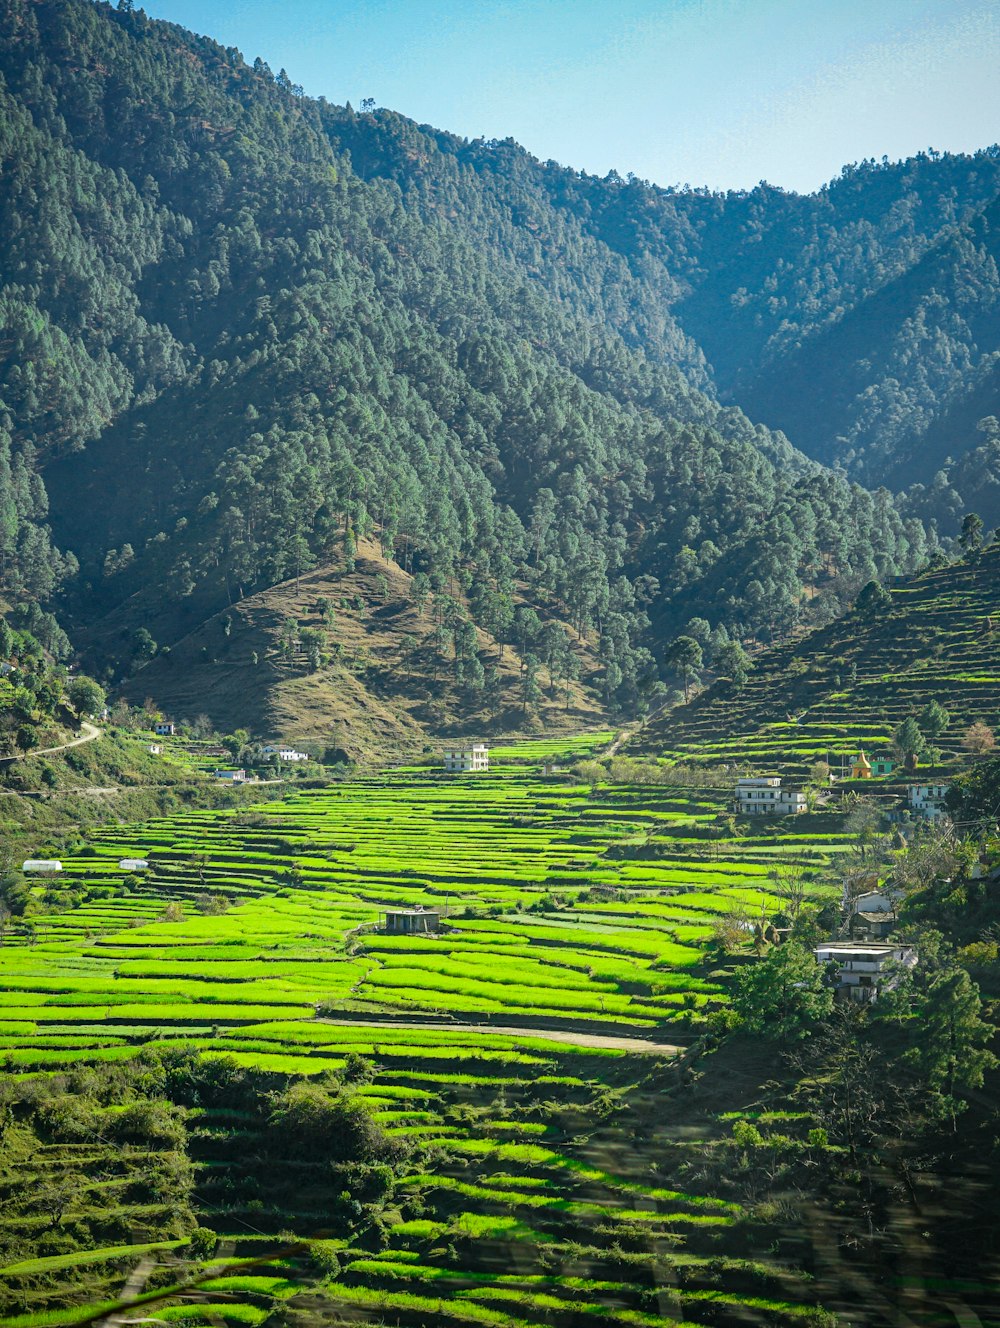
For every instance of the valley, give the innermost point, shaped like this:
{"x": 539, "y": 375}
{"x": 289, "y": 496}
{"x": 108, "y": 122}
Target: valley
{"x": 499, "y": 696}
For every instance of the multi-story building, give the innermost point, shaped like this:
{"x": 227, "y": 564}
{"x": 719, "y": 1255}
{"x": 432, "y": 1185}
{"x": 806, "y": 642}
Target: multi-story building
{"x": 864, "y": 967}
{"x": 928, "y": 799}
{"x": 766, "y": 797}
{"x": 464, "y": 760}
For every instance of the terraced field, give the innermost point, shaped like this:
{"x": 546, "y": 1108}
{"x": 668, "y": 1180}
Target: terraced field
{"x": 581, "y": 916}
{"x": 849, "y": 685}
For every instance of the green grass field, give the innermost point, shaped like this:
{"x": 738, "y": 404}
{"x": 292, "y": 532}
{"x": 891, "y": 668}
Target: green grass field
{"x": 565, "y": 910}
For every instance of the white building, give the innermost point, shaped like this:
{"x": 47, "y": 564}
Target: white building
{"x": 878, "y": 901}
{"x": 41, "y": 865}
{"x": 766, "y": 797}
{"x": 134, "y": 864}
{"x": 164, "y": 728}
{"x": 234, "y": 776}
{"x": 155, "y": 749}
{"x": 928, "y": 799}
{"x": 463, "y": 760}
{"x": 285, "y": 753}
{"x": 862, "y": 965}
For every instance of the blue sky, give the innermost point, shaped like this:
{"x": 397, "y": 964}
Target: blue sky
{"x": 707, "y": 92}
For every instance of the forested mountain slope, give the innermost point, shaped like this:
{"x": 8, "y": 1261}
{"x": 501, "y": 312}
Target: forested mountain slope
{"x": 928, "y": 641}
{"x": 246, "y": 329}
{"x": 861, "y": 320}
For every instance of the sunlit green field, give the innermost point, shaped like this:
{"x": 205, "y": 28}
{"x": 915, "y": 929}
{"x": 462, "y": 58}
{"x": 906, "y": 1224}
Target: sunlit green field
{"x": 567, "y": 912}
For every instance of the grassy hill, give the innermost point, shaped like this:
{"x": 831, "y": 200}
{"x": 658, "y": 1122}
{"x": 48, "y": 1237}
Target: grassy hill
{"x": 850, "y": 684}
{"x": 386, "y": 681}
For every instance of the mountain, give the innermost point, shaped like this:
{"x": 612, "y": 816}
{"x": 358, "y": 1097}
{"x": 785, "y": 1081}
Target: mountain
{"x": 246, "y": 330}
{"x": 927, "y": 641}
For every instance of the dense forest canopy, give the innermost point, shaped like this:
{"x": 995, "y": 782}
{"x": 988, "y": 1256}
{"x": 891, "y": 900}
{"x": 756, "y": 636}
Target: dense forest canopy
{"x": 243, "y": 328}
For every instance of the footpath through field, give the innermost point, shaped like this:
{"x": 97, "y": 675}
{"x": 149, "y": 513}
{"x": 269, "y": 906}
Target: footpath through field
{"x": 606, "y": 1042}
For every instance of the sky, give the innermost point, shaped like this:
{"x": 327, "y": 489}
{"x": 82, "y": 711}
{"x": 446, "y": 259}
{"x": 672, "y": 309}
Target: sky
{"x": 723, "y": 93}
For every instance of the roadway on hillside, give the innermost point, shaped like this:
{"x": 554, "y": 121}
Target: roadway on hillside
{"x": 88, "y": 733}
{"x": 607, "y": 1042}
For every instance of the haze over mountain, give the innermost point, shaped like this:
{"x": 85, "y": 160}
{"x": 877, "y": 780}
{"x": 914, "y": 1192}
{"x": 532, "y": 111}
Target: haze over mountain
{"x": 244, "y": 329}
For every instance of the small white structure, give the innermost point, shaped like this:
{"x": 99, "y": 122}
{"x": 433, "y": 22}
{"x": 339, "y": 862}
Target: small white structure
{"x": 155, "y": 749}
{"x": 878, "y": 901}
{"x": 410, "y": 921}
{"x": 234, "y": 776}
{"x": 164, "y": 728}
{"x": 134, "y": 864}
{"x": 464, "y": 760}
{"x": 41, "y": 865}
{"x": 928, "y": 799}
{"x": 766, "y": 797}
{"x": 862, "y": 965}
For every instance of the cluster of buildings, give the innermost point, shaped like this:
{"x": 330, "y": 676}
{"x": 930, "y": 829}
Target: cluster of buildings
{"x": 765, "y": 795}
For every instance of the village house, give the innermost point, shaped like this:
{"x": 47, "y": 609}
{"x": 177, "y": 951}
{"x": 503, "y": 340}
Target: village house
{"x": 155, "y": 749}
{"x": 164, "y": 728}
{"x": 928, "y": 800}
{"x": 865, "y": 967}
{"x": 884, "y": 900}
{"x": 856, "y": 884}
{"x": 868, "y": 925}
{"x": 234, "y": 776}
{"x": 464, "y": 760}
{"x": 765, "y": 797}
{"x": 285, "y": 753}
{"x": 410, "y": 921}
{"x": 877, "y": 767}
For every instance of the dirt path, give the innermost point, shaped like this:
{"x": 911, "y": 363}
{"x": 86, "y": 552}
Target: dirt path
{"x": 88, "y": 734}
{"x": 616, "y": 742}
{"x": 606, "y": 1042}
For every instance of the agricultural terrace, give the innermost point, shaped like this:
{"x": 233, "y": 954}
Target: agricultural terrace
{"x": 582, "y": 916}
{"x": 852, "y": 683}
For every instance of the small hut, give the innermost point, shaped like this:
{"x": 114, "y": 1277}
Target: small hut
{"x": 410, "y": 921}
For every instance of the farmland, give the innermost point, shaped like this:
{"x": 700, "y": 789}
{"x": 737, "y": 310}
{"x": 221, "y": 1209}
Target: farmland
{"x": 853, "y": 682}
{"x": 581, "y": 915}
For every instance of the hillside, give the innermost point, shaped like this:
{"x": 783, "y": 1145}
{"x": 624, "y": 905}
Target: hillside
{"x": 247, "y": 329}
{"x": 387, "y": 670}
{"x": 852, "y": 683}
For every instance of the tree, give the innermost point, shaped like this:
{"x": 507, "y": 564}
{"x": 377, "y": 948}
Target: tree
{"x": 872, "y": 600}
{"x": 26, "y": 738}
{"x": 908, "y": 741}
{"x": 869, "y": 846}
{"x": 531, "y": 693}
{"x": 85, "y": 696}
{"x": 933, "y": 719}
{"x": 733, "y": 662}
{"x": 979, "y": 739}
{"x": 783, "y": 996}
{"x": 950, "y": 1050}
{"x": 846, "y": 1084}
{"x": 789, "y": 884}
{"x": 732, "y": 930}
{"x": 684, "y": 658}
{"x": 971, "y": 538}
{"x": 143, "y": 645}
